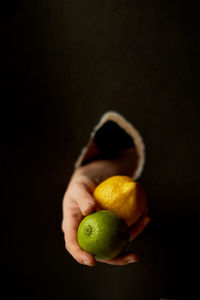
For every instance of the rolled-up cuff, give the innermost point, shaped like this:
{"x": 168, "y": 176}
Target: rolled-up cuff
{"x": 112, "y": 134}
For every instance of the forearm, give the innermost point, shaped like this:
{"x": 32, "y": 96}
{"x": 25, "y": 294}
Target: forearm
{"x": 99, "y": 170}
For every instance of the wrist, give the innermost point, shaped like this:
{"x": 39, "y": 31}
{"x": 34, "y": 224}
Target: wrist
{"x": 99, "y": 170}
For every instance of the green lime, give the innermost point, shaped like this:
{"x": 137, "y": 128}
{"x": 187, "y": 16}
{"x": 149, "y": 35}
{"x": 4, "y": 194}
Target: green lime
{"x": 103, "y": 234}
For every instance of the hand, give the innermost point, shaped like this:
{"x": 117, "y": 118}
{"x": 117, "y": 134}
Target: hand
{"x": 78, "y": 202}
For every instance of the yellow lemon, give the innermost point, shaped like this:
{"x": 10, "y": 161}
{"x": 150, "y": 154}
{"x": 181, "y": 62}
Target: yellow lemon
{"x": 123, "y": 196}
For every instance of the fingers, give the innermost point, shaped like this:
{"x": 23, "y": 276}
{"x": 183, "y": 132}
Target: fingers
{"x": 121, "y": 260}
{"x": 139, "y": 227}
{"x": 78, "y": 202}
{"x": 86, "y": 202}
{"x": 70, "y": 226}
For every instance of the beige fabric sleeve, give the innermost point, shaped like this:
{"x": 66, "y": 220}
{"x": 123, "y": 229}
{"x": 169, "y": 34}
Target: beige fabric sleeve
{"x": 91, "y": 150}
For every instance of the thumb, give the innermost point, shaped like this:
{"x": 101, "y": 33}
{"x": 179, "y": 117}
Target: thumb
{"x": 87, "y": 204}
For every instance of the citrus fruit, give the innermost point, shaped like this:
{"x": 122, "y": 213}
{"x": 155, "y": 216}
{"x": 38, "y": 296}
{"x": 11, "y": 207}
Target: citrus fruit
{"x": 103, "y": 234}
{"x": 121, "y": 195}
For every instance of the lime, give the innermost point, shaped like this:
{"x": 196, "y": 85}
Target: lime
{"x": 103, "y": 234}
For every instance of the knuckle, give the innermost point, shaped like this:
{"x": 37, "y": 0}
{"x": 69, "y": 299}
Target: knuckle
{"x": 79, "y": 260}
{"x": 73, "y": 253}
{"x": 63, "y": 226}
{"x": 68, "y": 194}
{"x": 67, "y": 246}
{"x": 91, "y": 203}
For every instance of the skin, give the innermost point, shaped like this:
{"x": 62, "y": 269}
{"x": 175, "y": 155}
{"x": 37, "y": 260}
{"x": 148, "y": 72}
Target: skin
{"x": 78, "y": 202}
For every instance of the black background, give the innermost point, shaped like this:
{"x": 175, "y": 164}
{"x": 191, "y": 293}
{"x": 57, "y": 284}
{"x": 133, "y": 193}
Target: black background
{"x": 64, "y": 64}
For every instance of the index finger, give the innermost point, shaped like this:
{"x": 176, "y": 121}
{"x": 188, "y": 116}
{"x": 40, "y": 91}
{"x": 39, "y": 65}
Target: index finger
{"x": 71, "y": 222}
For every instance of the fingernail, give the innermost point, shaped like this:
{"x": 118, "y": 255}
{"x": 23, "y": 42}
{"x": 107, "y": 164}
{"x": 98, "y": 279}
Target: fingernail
{"x": 132, "y": 259}
{"x": 87, "y": 263}
{"x": 129, "y": 261}
{"x": 147, "y": 221}
{"x": 136, "y": 258}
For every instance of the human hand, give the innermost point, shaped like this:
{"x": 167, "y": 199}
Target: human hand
{"x": 78, "y": 202}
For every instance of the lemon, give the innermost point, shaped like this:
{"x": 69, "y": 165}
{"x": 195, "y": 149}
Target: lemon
{"x": 123, "y": 196}
{"x": 103, "y": 234}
